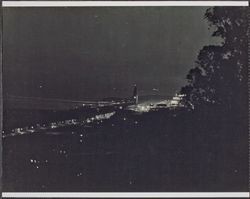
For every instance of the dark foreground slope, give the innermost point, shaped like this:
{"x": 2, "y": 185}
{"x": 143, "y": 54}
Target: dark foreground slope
{"x": 165, "y": 150}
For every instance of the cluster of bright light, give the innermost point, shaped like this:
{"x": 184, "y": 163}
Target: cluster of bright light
{"x": 104, "y": 116}
{"x": 143, "y": 108}
{"x": 176, "y": 100}
{"x": 36, "y": 163}
{"x": 54, "y": 125}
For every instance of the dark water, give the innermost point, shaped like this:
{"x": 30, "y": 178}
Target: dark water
{"x": 159, "y": 151}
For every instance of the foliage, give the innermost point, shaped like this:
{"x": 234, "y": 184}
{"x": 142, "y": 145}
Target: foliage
{"x": 220, "y": 73}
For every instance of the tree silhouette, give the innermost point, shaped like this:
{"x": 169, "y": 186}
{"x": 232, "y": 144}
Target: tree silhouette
{"x": 220, "y": 73}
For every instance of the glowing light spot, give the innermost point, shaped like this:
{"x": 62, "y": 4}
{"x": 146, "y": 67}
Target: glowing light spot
{"x": 79, "y": 174}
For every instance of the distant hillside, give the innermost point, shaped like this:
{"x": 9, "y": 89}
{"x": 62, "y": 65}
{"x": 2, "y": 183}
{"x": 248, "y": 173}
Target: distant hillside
{"x": 115, "y": 99}
{"x": 13, "y": 102}
{"x": 142, "y": 98}
{"x": 153, "y": 98}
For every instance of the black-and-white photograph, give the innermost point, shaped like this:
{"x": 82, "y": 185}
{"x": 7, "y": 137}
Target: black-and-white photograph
{"x": 125, "y": 99}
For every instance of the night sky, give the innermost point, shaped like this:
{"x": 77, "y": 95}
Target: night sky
{"x": 90, "y": 53}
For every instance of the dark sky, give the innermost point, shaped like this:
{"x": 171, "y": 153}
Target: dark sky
{"x": 82, "y": 53}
